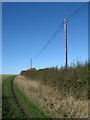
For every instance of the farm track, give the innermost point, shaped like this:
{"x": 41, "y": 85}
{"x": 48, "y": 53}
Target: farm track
{"x": 9, "y": 111}
{"x": 17, "y": 101}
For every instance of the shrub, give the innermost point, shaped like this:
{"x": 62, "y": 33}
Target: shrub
{"x": 73, "y": 80}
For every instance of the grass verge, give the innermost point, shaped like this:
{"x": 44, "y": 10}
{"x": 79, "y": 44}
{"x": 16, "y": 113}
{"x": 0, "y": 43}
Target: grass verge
{"x": 32, "y": 109}
{"x": 57, "y": 105}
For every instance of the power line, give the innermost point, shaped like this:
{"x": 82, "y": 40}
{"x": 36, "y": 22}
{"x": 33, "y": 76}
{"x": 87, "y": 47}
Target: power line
{"x": 80, "y": 9}
{"x": 77, "y": 14}
{"x": 53, "y": 36}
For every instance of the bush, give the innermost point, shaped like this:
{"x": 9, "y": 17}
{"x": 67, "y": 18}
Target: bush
{"x": 72, "y": 81}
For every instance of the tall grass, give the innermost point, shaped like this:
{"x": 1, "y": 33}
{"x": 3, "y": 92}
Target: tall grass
{"x": 71, "y": 81}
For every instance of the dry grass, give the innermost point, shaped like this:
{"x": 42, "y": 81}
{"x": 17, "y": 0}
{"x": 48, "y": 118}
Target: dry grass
{"x": 72, "y": 81}
{"x": 57, "y": 105}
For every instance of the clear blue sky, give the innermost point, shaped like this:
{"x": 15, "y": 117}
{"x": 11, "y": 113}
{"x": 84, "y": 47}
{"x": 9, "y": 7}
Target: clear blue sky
{"x": 28, "y": 26}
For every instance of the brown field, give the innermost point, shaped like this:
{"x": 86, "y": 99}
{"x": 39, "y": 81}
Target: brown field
{"x": 5, "y": 76}
{"x": 57, "y": 105}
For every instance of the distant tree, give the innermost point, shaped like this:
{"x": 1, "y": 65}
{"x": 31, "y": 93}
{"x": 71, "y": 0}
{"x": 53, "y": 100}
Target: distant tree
{"x": 34, "y": 69}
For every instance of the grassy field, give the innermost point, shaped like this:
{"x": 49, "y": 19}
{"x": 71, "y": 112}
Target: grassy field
{"x": 51, "y": 92}
{"x": 6, "y": 76}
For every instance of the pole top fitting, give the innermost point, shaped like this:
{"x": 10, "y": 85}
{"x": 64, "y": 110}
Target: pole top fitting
{"x": 65, "y": 20}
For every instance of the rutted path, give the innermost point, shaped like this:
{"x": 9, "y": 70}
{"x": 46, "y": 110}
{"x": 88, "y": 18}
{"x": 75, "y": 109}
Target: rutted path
{"x": 17, "y": 101}
{"x": 11, "y": 106}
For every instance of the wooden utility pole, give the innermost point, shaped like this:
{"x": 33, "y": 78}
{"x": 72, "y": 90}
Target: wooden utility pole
{"x": 31, "y": 63}
{"x": 65, "y": 38}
